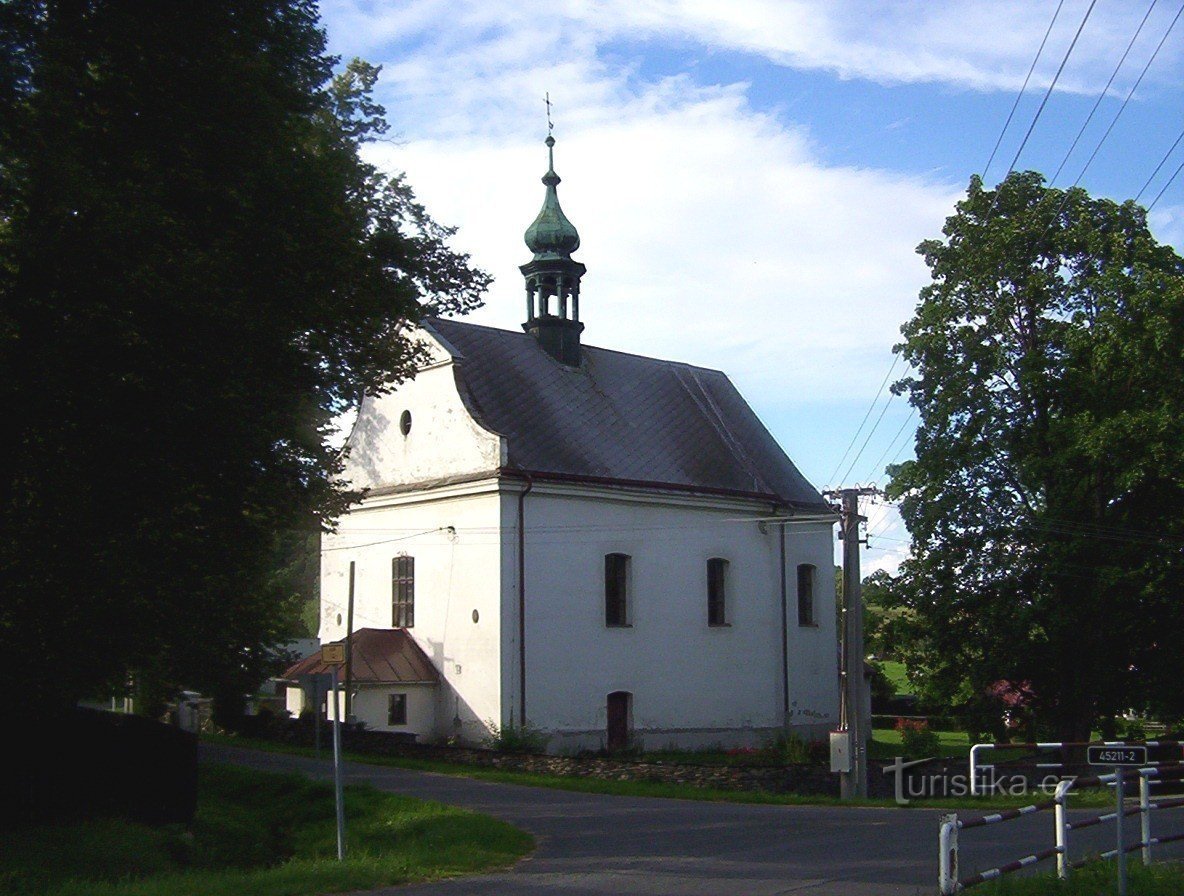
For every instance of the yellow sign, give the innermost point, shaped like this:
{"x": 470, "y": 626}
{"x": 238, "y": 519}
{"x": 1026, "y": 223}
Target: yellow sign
{"x": 333, "y": 654}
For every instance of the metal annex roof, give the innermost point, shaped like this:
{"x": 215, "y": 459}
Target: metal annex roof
{"x": 378, "y": 656}
{"x": 619, "y": 418}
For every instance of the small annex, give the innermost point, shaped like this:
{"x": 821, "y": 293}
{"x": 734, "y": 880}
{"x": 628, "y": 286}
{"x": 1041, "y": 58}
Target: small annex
{"x": 607, "y": 547}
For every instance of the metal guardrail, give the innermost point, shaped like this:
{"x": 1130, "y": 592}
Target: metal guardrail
{"x": 949, "y": 882}
{"x": 976, "y": 767}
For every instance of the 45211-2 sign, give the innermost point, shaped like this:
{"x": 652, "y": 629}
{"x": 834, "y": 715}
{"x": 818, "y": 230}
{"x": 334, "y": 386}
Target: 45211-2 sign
{"x": 1116, "y": 756}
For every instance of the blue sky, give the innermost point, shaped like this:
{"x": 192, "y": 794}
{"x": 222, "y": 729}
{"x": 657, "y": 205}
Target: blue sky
{"x": 750, "y": 178}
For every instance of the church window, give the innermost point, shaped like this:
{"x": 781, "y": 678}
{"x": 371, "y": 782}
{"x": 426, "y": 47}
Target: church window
{"x": 403, "y": 592}
{"x": 616, "y": 589}
{"x": 405, "y": 422}
{"x": 717, "y": 574}
{"x": 396, "y": 711}
{"x": 806, "y": 595}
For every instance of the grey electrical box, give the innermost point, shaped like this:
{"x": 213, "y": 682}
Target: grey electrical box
{"x": 840, "y": 751}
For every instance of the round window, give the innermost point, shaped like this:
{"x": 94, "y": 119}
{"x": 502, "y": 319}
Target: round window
{"x": 476, "y": 615}
{"x": 405, "y": 422}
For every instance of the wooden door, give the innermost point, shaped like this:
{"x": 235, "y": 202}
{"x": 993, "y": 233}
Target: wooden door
{"x": 619, "y": 711}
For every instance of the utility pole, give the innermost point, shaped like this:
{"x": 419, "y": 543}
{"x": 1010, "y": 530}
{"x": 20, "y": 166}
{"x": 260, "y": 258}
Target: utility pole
{"x": 853, "y": 716}
{"x": 349, "y": 647}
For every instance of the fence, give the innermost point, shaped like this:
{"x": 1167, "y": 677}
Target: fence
{"x": 951, "y": 826}
{"x": 977, "y": 767}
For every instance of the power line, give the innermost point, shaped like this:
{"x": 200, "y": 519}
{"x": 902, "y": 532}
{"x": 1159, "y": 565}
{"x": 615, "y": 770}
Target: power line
{"x": 1023, "y": 88}
{"x": 1102, "y": 95}
{"x": 1165, "y": 186}
{"x": 1162, "y": 161}
{"x": 1130, "y": 94}
{"x": 870, "y": 433}
{"x": 876, "y": 467}
{"x": 1051, "y": 87}
{"x": 870, "y": 408}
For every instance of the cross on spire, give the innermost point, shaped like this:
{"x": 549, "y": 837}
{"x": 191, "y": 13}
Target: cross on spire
{"x": 547, "y": 100}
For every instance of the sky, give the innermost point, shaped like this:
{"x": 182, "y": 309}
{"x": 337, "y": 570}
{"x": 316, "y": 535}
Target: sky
{"x": 751, "y": 178}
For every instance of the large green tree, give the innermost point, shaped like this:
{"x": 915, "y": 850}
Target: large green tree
{"x": 1045, "y": 499}
{"x": 198, "y": 273}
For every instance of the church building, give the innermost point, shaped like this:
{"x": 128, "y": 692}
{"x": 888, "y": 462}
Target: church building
{"x": 608, "y": 548}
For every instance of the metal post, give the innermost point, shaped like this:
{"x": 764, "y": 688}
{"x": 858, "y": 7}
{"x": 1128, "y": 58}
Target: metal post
{"x": 1145, "y": 815}
{"x": 1062, "y": 823}
{"x": 1120, "y": 791}
{"x": 338, "y": 792}
{"x": 349, "y": 646}
{"x": 947, "y": 859}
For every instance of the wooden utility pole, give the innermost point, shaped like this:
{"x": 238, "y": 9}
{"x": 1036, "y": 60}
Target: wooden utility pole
{"x": 854, "y": 718}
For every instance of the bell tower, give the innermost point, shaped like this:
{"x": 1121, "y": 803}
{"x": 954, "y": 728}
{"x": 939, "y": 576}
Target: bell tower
{"x": 553, "y": 276}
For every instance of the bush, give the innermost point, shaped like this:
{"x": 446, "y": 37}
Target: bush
{"x": 792, "y": 750}
{"x": 516, "y": 738}
{"x": 917, "y": 739}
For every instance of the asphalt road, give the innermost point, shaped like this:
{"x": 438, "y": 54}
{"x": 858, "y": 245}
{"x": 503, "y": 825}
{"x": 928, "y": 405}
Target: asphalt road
{"x": 596, "y": 845}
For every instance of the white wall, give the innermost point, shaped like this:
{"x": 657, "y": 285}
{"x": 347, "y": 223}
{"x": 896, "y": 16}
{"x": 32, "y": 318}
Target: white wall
{"x": 443, "y": 441}
{"x": 453, "y": 537}
{"x": 692, "y": 684}
{"x": 450, "y": 529}
{"x": 371, "y": 704}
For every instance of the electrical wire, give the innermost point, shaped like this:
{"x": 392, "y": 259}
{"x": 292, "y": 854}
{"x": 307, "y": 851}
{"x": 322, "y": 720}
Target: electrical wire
{"x": 1162, "y": 161}
{"x": 1023, "y": 88}
{"x": 1051, "y": 87}
{"x": 1102, "y": 95}
{"x": 870, "y": 408}
{"x": 1158, "y": 195}
{"x": 1122, "y": 108}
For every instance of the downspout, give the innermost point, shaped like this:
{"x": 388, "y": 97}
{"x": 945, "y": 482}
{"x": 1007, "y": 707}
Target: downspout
{"x": 522, "y": 599}
{"x": 784, "y": 637}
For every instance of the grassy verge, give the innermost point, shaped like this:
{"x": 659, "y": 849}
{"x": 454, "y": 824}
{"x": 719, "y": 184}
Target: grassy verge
{"x": 1093, "y": 880}
{"x": 633, "y": 788}
{"x": 263, "y": 834}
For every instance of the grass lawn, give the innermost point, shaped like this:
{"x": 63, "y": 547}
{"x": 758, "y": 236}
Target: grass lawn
{"x": 262, "y": 834}
{"x": 886, "y": 743}
{"x": 1097, "y": 879}
{"x": 895, "y": 673}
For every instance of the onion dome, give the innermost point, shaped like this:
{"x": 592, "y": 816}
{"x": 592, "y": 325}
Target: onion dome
{"x": 551, "y": 235}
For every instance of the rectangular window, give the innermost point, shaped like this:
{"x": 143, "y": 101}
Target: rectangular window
{"x": 717, "y": 573}
{"x": 806, "y": 595}
{"x": 396, "y": 711}
{"x": 403, "y": 592}
{"x": 616, "y": 589}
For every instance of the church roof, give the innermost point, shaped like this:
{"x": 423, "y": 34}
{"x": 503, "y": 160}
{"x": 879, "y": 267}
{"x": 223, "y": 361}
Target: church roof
{"x": 377, "y": 656}
{"x": 619, "y": 418}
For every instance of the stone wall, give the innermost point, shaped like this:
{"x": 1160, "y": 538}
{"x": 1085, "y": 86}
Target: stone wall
{"x": 803, "y": 779}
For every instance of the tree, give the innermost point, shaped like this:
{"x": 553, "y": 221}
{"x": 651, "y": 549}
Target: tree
{"x": 199, "y": 273}
{"x": 1044, "y": 501}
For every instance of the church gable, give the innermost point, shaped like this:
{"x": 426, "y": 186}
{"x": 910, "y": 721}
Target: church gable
{"x": 420, "y": 433}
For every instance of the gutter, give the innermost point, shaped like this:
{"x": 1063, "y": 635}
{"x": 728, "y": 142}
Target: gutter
{"x": 522, "y": 598}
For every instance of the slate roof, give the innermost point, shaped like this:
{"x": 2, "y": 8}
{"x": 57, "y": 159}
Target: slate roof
{"x": 378, "y": 656}
{"x": 619, "y": 418}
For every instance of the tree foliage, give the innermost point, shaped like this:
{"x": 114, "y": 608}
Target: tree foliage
{"x": 198, "y": 272}
{"x": 1044, "y": 501}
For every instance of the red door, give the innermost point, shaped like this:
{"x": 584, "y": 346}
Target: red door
{"x": 620, "y": 708}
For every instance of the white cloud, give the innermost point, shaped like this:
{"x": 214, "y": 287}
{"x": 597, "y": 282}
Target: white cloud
{"x": 967, "y": 44}
{"x": 711, "y": 234}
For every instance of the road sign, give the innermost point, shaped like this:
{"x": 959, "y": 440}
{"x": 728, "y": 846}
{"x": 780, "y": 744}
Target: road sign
{"x": 333, "y": 654}
{"x": 1116, "y": 756}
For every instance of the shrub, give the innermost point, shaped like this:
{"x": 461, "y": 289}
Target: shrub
{"x": 917, "y": 739}
{"x": 513, "y": 738}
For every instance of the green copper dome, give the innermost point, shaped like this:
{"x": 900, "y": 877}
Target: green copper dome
{"x": 551, "y": 235}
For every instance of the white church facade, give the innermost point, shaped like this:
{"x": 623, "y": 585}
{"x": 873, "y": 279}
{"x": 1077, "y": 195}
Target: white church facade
{"x": 609, "y": 548}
